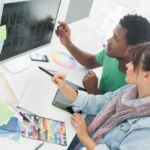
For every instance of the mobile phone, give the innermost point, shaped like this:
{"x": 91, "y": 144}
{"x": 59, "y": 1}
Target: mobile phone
{"x": 39, "y": 57}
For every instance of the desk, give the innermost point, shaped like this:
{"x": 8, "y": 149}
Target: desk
{"x": 19, "y": 83}
{"x": 20, "y": 80}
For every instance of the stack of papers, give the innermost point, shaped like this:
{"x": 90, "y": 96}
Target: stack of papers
{"x": 10, "y": 126}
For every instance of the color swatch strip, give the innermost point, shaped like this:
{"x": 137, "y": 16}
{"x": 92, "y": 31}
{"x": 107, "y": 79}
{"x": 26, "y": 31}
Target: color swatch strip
{"x": 45, "y": 130}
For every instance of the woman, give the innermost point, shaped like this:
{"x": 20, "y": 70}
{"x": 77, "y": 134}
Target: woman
{"x": 123, "y": 116}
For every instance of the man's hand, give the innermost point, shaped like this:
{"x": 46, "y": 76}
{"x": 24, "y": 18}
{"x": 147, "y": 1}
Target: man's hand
{"x": 65, "y": 27}
{"x": 64, "y": 33}
{"x": 90, "y": 82}
{"x": 79, "y": 125}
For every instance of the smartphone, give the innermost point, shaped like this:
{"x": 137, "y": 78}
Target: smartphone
{"x": 39, "y": 57}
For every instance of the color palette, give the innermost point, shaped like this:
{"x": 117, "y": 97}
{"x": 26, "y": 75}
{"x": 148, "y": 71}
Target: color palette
{"x": 63, "y": 60}
{"x": 44, "y": 129}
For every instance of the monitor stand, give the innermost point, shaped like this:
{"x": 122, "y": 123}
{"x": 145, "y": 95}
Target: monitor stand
{"x": 18, "y": 64}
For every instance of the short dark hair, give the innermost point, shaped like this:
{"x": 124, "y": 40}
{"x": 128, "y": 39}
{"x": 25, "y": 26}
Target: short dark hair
{"x": 138, "y": 29}
{"x": 141, "y": 55}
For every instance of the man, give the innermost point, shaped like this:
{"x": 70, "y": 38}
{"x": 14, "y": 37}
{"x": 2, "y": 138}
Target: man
{"x": 131, "y": 30}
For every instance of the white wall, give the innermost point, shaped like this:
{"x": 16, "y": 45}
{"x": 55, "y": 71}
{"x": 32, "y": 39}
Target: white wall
{"x": 105, "y": 14}
{"x": 144, "y": 8}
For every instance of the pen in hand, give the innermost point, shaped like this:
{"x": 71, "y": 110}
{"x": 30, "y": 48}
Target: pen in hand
{"x": 44, "y": 70}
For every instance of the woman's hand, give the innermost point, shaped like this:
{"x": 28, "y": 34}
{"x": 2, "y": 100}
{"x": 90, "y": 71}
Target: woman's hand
{"x": 59, "y": 79}
{"x": 79, "y": 125}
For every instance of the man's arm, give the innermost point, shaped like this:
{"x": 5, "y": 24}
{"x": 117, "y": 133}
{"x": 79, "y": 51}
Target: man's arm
{"x": 85, "y": 59}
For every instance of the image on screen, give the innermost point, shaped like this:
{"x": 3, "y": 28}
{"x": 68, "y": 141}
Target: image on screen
{"x": 29, "y": 25}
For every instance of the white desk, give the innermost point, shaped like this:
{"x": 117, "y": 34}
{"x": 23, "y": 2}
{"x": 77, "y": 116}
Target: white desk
{"x": 19, "y": 83}
{"x": 20, "y": 80}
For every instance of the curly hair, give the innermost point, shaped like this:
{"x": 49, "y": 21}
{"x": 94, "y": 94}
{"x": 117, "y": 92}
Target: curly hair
{"x": 138, "y": 29}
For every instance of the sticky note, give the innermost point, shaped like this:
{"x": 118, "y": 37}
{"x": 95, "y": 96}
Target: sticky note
{"x": 5, "y": 114}
{"x": 3, "y": 32}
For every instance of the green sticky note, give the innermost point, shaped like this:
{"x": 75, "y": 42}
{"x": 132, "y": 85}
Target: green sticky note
{"x": 5, "y": 114}
{"x": 3, "y": 32}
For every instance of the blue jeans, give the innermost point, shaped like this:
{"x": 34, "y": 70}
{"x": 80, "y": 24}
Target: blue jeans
{"x": 76, "y": 141}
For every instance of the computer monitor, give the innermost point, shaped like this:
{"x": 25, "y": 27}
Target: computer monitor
{"x": 29, "y": 24}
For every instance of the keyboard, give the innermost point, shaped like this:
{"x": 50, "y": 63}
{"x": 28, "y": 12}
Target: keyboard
{"x": 39, "y": 94}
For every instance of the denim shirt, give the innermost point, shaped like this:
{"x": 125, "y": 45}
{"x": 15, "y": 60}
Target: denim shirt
{"x": 132, "y": 134}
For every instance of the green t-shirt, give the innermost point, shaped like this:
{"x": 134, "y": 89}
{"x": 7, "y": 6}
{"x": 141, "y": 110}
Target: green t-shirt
{"x": 112, "y": 79}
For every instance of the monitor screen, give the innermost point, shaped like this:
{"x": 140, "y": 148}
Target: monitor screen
{"x": 29, "y": 25}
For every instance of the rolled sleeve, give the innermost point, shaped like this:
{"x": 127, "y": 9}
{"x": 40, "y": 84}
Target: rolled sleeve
{"x": 93, "y": 104}
{"x": 79, "y": 101}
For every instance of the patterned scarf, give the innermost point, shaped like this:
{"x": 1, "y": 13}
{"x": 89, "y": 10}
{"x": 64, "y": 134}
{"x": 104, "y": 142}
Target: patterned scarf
{"x": 120, "y": 108}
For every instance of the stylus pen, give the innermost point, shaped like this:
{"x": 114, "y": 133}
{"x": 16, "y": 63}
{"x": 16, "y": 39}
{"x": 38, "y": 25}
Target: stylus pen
{"x": 46, "y": 71}
{"x": 39, "y": 146}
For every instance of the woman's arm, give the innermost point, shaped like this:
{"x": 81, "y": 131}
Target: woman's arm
{"x": 88, "y": 143}
{"x": 89, "y": 104}
{"x": 60, "y": 80}
{"x": 69, "y": 93}
{"x": 82, "y": 132}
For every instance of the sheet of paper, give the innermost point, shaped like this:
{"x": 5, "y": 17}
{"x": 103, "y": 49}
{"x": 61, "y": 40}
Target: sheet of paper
{"x": 3, "y": 32}
{"x": 7, "y": 95}
{"x": 5, "y": 114}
